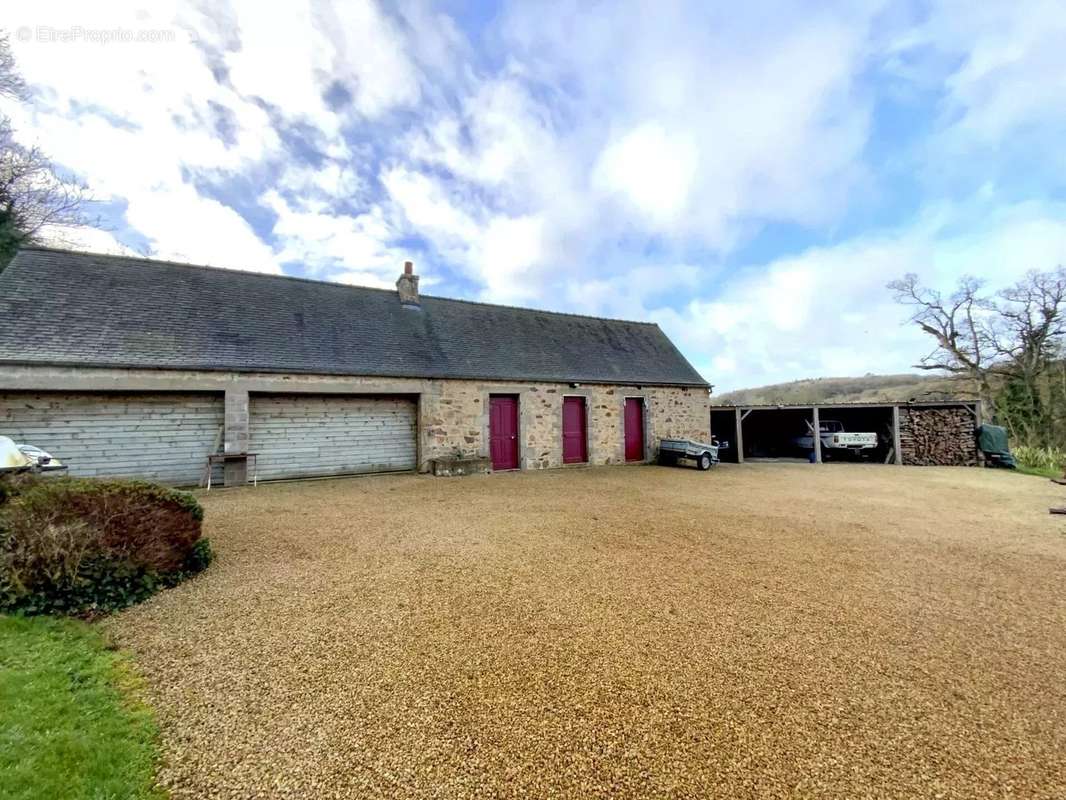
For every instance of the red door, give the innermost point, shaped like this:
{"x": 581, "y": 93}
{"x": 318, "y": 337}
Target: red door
{"x": 503, "y": 431}
{"x": 575, "y": 441}
{"x": 634, "y": 424}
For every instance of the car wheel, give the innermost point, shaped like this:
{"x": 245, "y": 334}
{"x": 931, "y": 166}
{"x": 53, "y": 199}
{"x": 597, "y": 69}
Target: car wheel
{"x": 705, "y": 461}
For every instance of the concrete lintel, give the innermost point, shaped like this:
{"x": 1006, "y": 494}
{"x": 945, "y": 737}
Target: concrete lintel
{"x": 31, "y": 378}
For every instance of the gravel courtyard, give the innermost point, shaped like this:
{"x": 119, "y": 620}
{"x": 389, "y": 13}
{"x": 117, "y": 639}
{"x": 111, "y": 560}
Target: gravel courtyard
{"x": 767, "y": 630}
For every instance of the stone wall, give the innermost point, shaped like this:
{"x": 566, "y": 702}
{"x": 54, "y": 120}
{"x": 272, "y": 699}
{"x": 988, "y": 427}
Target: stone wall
{"x": 453, "y": 414}
{"x": 938, "y": 436}
{"x": 454, "y": 418}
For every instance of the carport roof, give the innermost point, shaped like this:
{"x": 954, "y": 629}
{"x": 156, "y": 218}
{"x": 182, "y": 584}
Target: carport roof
{"x": 831, "y": 406}
{"x": 61, "y": 307}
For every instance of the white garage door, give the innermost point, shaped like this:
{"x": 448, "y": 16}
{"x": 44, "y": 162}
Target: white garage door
{"x": 163, "y": 437}
{"x": 300, "y": 436}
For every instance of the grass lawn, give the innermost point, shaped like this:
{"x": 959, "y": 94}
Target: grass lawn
{"x": 68, "y": 725}
{"x": 1042, "y": 472}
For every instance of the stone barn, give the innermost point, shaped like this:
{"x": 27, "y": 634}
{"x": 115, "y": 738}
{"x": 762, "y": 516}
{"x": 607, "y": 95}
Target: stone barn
{"x": 135, "y": 367}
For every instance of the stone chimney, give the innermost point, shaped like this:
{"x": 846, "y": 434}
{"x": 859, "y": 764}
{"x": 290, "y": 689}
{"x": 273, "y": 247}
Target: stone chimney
{"x": 407, "y": 285}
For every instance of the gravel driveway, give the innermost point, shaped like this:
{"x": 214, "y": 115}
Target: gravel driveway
{"x": 759, "y": 631}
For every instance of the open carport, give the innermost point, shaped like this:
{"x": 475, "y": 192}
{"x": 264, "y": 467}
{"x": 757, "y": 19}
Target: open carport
{"x": 768, "y": 431}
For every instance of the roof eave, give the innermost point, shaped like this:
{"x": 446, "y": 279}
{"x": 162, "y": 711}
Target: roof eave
{"x": 273, "y": 370}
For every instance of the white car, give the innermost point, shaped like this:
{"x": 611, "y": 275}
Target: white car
{"x": 835, "y": 440}
{"x": 26, "y": 458}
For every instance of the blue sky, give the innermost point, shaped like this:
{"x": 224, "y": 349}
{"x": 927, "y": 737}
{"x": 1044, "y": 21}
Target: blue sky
{"x": 749, "y": 176}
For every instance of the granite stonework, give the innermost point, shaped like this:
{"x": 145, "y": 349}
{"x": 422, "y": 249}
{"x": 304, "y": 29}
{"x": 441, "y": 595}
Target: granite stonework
{"x": 452, "y": 415}
{"x": 455, "y": 467}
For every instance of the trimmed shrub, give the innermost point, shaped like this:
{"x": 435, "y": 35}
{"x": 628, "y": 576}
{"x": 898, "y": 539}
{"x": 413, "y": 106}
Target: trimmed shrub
{"x": 81, "y": 546}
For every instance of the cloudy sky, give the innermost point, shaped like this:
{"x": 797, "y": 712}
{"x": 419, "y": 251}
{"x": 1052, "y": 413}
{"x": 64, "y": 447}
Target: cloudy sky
{"x": 748, "y": 175}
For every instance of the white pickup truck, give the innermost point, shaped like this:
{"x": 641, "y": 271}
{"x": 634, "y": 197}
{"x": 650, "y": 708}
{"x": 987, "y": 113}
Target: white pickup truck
{"x": 835, "y": 440}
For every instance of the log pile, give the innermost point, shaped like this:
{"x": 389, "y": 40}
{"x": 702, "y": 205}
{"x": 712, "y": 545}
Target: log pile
{"x": 937, "y": 437}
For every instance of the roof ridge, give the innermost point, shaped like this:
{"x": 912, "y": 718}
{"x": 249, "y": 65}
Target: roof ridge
{"x": 538, "y": 310}
{"x": 207, "y": 267}
{"x": 299, "y": 279}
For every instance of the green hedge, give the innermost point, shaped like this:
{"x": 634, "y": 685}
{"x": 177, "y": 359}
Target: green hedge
{"x": 84, "y": 547}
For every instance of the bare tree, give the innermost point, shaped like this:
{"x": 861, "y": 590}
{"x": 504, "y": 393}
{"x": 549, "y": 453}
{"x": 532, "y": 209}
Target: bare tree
{"x": 11, "y": 83}
{"x": 958, "y": 323}
{"x": 34, "y": 199}
{"x": 1031, "y": 321}
{"x": 1010, "y": 345}
{"x": 36, "y": 202}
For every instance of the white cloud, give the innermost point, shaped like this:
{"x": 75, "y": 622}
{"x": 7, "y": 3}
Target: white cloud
{"x": 827, "y": 311}
{"x": 331, "y": 181}
{"x": 429, "y": 210}
{"x": 652, "y": 169}
{"x": 691, "y": 131}
{"x": 351, "y": 249}
{"x": 370, "y": 57}
{"x": 507, "y": 248}
{"x": 292, "y": 82}
{"x": 92, "y": 240}
{"x": 140, "y": 121}
{"x": 1007, "y": 64}
{"x": 186, "y": 226}
{"x": 496, "y": 249}
{"x": 131, "y": 118}
{"x": 295, "y": 55}
{"x": 706, "y": 121}
{"x": 499, "y": 137}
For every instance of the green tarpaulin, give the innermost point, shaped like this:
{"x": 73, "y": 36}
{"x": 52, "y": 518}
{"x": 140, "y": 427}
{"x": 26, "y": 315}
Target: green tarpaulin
{"x": 992, "y": 439}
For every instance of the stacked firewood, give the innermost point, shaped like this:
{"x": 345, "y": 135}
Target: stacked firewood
{"x": 937, "y": 436}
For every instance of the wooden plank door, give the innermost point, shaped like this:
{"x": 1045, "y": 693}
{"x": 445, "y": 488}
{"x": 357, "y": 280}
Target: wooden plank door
{"x": 503, "y": 431}
{"x": 156, "y": 436}
{"x": 306, "y": 435}
{"x": 575, "y": 435}
{"x": 634, "y": 428}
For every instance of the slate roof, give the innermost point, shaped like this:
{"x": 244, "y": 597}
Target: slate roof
{"x": 70, "y": 308}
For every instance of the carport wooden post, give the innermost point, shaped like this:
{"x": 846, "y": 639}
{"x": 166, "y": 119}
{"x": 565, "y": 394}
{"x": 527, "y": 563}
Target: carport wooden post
{"x": 896, "y": 445}
{"x": 740, "y": 436}
{"x": 817, "y": 433}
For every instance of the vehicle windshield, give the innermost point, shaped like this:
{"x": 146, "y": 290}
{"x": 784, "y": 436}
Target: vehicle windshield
{"x": 830, "y": 426}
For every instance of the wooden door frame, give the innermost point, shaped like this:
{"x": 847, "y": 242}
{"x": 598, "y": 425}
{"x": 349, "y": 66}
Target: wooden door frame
{"x": 645, "y": 424}
{"x": 588, "y": 422}
{"x": 520, "y": 448}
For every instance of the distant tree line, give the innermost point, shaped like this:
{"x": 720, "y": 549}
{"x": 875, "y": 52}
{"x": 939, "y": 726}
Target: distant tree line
{"x": 37, "y": 203}
{"x": 1009, "y": 345}
{"x": 869, "y": 388}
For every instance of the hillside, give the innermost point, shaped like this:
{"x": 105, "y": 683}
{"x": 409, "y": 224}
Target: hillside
{"x": 867, "y": 389}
